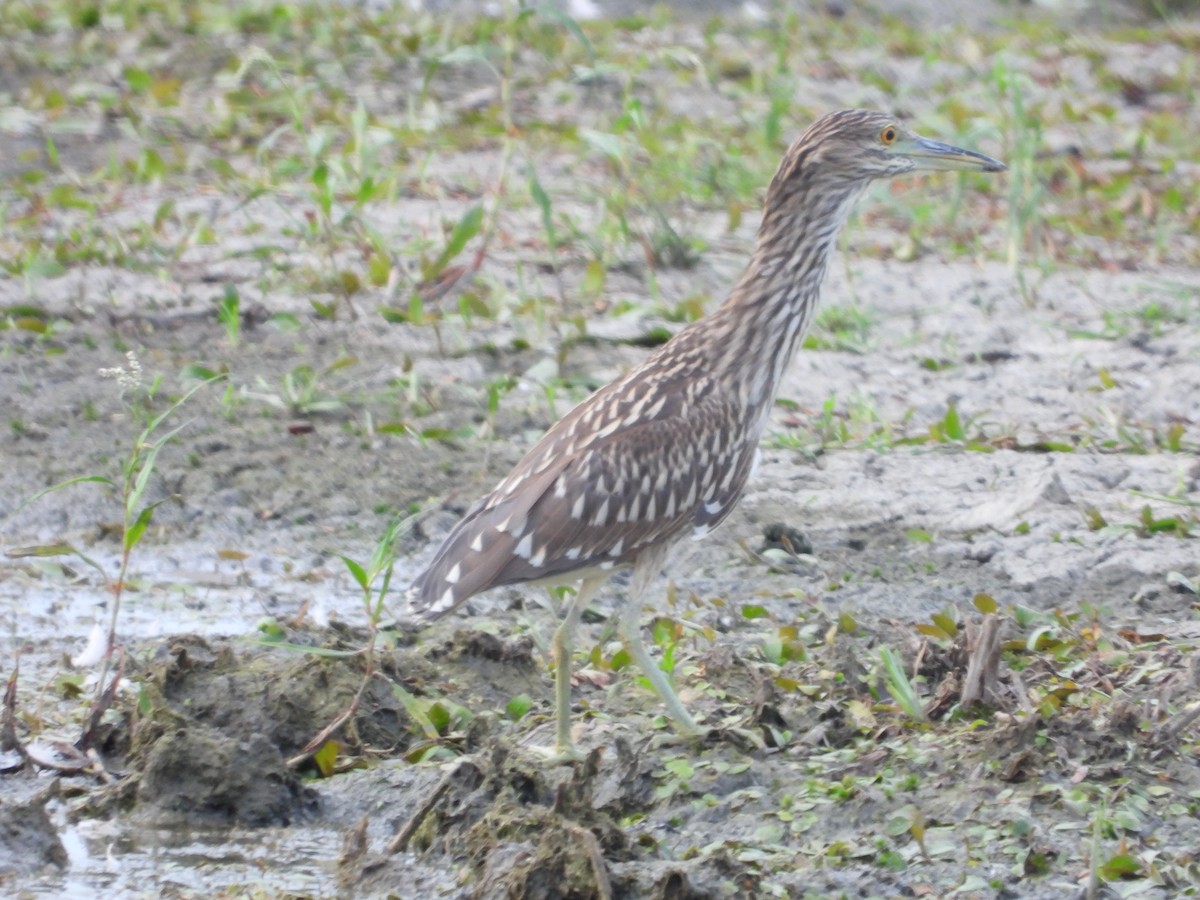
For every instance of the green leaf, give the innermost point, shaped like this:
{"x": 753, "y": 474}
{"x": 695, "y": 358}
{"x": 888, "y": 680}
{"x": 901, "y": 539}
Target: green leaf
{"x": 137, "y": 79}
{"x": 1120, "y": 866}
{"x": 898, "y": 825}
{"x": 325, "y": 758}
{"x": 944, "y": 622}
{"x": 608, "y": 144}
{"x": 772, "y": 648}
{"x": 753, "y": 611}
{"x": 416, "y": 710}
{"x": 468, "y": 226}
{"x": 548, "y": 11}
{"x": 985, "y": 604}
{"x": 542, "y": 199}
{"x": 286, "y": 321}
{"x": 933, "y": 631}
{"x": 468, "y": 53}
{"x": 134, "y": 532}
{"x": 663, "y": 631}
{"x": 197, "y": 372}
{"x": 900, "y": 686}
{"x": 593, "y": 278}
{"x": 358, "y": 572}
{"x": 518, "y": 706}
{"x": 40, "y": 550}
{"x": 680, "y": 768}
{"x": 952, "y": 427}
{"x": 439, "y": 717}
{"x": 80, "y": 479}
{"x": 272, "y": 632}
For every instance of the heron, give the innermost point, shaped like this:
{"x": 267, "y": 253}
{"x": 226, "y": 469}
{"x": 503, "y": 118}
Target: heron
{"x": 665, "y": 450}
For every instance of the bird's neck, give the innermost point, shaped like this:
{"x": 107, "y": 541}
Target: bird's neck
{"x": 769, "y": 311}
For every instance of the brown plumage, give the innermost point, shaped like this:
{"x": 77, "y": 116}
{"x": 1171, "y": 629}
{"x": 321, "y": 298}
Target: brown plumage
{"x": 666, "y": 449}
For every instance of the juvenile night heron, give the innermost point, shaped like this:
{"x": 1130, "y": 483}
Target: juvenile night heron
{"x": 666, "y": 449}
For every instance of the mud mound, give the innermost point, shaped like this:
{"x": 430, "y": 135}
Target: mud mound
{"x": 530, "y": 831}
{"x": 200, "y": 774}
{"x": 222, "y": 722}
{"x": 29, "y": 843}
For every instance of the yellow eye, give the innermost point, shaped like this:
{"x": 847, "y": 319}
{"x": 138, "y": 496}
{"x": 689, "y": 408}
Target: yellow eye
{"x": 888, "y": 135}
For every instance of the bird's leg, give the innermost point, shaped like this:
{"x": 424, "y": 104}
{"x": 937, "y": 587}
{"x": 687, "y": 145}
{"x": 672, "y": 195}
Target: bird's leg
{"x": 629, "y": 627}
{"x": 562, "y": 648}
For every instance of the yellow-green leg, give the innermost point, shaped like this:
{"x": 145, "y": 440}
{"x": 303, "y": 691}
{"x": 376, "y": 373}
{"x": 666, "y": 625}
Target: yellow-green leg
{"x": 562, "y": 648}
{"x": 629, "y": 626}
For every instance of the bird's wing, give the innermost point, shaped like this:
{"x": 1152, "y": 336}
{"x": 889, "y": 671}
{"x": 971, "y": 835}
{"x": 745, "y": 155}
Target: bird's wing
{"x": 595, "y": 490}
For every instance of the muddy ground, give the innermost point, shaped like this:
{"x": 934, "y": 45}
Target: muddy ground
{"x": 964, "y": 435}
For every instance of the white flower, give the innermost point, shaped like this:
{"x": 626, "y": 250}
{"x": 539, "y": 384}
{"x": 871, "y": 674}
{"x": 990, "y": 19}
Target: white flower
{"x": 129, "y": 376}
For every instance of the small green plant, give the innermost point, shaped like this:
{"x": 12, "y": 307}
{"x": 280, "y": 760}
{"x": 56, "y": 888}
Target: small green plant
{"x": 228, "y": 314}
{"x": 130, "y": 490}
{"x": 302, "y": 391}
{"x": 374, "y": 579}
{"x": 1023, "y": 142}
{"x": 900, "y": 686}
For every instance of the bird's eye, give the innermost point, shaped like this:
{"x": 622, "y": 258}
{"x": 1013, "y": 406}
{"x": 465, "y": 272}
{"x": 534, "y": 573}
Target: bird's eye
{"x": 888, "y": 135}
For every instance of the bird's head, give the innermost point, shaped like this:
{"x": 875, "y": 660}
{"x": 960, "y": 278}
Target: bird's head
{"x": 855, "y": 146}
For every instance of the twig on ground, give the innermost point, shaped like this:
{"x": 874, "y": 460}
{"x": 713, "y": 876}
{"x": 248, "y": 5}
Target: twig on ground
{"x": 1170, "y": 730}
{"x": 983, "y": 670}
{"x": 319, "y": 739}
{"x": 399, "y": 843}
{"x": 591, "y": 849}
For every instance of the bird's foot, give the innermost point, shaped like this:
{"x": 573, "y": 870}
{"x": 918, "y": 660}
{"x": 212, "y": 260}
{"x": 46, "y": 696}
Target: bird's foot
{"x": 689, "y": 733}
{"x": 559, "y": 755}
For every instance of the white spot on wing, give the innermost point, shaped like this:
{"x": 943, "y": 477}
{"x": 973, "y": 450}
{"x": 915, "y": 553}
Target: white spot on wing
{"x": 560, "y": 486}
{"x": 573, "y": 553}
{"x": 712, "y": 508}
{"x": 618, "y": 548}
{"x": 454, "y": 574}
{"x": 601, "y": 516}
{"x": 700, "y": 531}
{"x": 525, "y": 548}
{"x": 477, "y": 543}
{"x": 577, "y": 508}
{"x": 609, "y": 428}
{"x": 539, "y": 557}
{"x": 445, "y": 601}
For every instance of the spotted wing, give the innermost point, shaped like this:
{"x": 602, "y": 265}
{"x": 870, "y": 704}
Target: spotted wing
{"x": 615, "y": 475}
